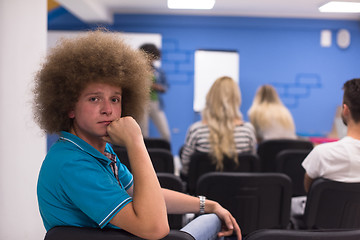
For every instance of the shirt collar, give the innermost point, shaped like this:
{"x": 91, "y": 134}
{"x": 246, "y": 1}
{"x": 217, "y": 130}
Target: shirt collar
{"x": 84, "y": 146}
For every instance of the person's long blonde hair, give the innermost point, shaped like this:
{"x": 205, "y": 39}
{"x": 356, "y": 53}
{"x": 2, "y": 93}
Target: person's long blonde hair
{"x": 220, "y": 113}
{"x": 267, "y": 108}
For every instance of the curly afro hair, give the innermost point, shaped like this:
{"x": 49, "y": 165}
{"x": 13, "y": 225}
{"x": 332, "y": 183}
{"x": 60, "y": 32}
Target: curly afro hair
{"x": 95, "y": 57}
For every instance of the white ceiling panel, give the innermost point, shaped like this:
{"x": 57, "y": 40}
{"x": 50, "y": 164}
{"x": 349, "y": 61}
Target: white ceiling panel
{"x": 103, "y": 10}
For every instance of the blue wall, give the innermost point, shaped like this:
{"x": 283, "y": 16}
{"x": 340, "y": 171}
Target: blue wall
{"x": 282, "y": 52}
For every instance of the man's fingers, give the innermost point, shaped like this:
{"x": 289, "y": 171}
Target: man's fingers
{"x": 225, "y": 232}
{"x": 230, "y": 228}
{"x": 237, "y": 229}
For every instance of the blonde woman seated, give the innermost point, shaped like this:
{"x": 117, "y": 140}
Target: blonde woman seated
{"x": 222, "y": 131}
{"x": 270, "y": 117}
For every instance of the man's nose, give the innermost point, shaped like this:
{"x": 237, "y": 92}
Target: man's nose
{"x": 106, "y": 108}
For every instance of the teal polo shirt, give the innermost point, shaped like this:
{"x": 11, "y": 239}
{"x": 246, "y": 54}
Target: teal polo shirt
{"x": 76, "y": 186}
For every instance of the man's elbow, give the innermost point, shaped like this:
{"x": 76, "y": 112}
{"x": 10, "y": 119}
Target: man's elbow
{"x": 157, "y": 231}
{"x": 162, "y": 231}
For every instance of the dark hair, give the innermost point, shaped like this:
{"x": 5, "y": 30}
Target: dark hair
{"x": 151, "y": 49}
{"x": 352, "y": 97}
{"x": 95, "y": 57}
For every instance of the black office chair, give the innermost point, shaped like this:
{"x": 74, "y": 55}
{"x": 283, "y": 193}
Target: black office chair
{"x": 157, "y": 143}
{"x": 332, "y": 205}
{"x": 79, "y": 233}
{"x": 256, "y": 200}
{"x": 267, "y": 150}
{"x": 170, "y": 181}
{"x": 181, "y": 150}
{"x": 289, "y": 162}
{"x": 162, "y": 159}
{"x": 282, "y": 234}
{"x": 201, "y": 163}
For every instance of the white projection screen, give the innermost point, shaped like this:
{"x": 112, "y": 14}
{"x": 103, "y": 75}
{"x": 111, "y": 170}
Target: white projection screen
{"x": 210, "y": 65}
{"x": 135, "y": 40}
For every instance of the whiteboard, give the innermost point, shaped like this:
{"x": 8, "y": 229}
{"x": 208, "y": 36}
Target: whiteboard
{"x": 210, "y": 65}
{"x": 135, "y": 40}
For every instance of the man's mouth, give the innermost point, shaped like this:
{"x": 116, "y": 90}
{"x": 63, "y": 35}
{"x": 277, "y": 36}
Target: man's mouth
{"x": 105, "y": 122}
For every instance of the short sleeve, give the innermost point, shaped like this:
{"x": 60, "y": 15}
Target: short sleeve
{"x": 189, "y": 147}
{"x": 91, "y": 187}
{"x": 312, "y": 164}
{"x": 252, "y": 136}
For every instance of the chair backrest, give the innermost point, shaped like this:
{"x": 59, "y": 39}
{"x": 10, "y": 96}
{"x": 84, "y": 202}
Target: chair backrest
{"x": 282, "y": 234}
{"x": 256, "y": 200}
{"x": 80, "y": 233}
{"x": 170, "y": 181}
{"x": 332, "y": 204}
{"x": 157, "y": 143}
{"x": 267, "y": 150}
{"x": 289, "y": 162}
{"x": 201, "y": 163}
{"x": 162, "y": 159}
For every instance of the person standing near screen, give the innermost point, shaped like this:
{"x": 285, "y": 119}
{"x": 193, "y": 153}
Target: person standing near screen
{"x": 159, "y": 86}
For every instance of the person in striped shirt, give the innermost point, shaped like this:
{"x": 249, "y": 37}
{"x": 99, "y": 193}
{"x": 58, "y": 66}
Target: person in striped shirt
{"x": 222, "y": 131}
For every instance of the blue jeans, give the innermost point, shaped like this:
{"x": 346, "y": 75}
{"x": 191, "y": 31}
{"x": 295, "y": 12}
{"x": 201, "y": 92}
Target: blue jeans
{"x": 204, "y": 227}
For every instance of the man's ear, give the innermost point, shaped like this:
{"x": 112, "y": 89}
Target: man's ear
{"x": 346, "y": 110}
{"x": 71, "y": 114}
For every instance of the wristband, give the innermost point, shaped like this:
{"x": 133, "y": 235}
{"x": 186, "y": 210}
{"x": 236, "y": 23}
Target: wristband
{"x": 202, "y": 204}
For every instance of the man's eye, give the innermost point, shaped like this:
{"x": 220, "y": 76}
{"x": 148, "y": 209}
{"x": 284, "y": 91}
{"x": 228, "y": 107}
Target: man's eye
{"x": 93, "y": 99}
{"x": 115, "y": 100}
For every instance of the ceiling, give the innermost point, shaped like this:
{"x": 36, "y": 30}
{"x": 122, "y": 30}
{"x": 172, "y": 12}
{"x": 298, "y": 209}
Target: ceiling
{"x": 103, "y": 10}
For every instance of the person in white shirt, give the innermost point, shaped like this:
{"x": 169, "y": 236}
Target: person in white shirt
{"x": 339, "y": 161}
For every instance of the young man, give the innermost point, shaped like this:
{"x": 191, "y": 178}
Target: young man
{"x": 90, "y": 90}
{"x": 339, "y": 161}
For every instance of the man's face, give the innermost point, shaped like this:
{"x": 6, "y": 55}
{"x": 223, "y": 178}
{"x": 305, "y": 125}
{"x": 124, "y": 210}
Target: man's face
{"x": 98, "y": 105}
